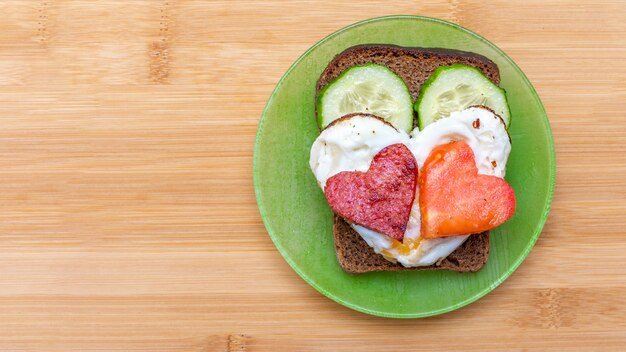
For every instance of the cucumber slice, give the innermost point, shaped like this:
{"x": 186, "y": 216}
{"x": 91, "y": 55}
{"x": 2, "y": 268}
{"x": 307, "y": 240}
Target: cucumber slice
{"x": 454, "y": 88}
{"x": 369, "y": 88}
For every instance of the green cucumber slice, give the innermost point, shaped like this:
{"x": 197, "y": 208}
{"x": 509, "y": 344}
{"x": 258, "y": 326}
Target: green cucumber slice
{"x": 369, "y": 88}
{"x": 454, "y": 88}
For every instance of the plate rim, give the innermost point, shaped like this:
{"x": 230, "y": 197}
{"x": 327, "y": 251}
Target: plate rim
{"x": 469, "y": 300}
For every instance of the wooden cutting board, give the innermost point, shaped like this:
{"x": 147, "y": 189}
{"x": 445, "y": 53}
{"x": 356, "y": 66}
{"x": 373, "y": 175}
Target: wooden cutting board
{"x": 128, "y": 219}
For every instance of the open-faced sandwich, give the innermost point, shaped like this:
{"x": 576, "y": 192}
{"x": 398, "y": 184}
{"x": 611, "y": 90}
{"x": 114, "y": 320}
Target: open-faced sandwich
{"x": 411, "y": 157}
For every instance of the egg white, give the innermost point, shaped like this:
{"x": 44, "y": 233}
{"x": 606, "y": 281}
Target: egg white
{"x": 351, "y": 144}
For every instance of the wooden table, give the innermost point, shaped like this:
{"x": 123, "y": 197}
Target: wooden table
{"x": 128, "y": 220}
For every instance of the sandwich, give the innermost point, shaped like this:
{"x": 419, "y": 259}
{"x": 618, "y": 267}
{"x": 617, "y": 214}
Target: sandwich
{"x": 412, "y": 156}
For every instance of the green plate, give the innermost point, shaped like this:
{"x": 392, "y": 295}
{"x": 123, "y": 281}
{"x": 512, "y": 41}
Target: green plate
{"x": 299, "y": 220}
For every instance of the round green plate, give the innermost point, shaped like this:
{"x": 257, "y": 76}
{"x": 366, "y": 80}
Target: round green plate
{"x": 299, "y": 220}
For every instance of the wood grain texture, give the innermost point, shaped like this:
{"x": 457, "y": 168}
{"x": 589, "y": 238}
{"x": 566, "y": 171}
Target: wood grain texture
{"x": 127, "y": 214}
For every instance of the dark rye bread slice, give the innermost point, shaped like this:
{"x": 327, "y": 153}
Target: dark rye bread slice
{"x": 414, "y": 66}
{"x": 355, "y": 256}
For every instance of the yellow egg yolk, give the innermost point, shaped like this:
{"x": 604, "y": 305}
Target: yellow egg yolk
{"x": 401, "y": 248}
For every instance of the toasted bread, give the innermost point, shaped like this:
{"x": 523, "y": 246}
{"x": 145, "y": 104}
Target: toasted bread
{"x": 414, "y": 66}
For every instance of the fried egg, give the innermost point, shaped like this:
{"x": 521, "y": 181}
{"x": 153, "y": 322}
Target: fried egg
{"x": 350, "y": 144}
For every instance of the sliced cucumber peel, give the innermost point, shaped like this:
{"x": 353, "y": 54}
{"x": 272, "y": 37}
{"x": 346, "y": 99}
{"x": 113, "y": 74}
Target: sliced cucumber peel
{"x": 454, "y": 88}
{"x": 369, "y": 88}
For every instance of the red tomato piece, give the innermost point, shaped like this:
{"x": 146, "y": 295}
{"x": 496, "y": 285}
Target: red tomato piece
{"x": 455, "y": 200}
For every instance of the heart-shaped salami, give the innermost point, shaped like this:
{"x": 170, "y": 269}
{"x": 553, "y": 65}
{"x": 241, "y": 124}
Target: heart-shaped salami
{"x": 381, "y": 198}
{"x": 455, "y": 200}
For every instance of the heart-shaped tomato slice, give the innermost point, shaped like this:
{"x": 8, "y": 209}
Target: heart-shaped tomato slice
{"x": 455, "y": 200}
{"x": 381, "y": 198}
